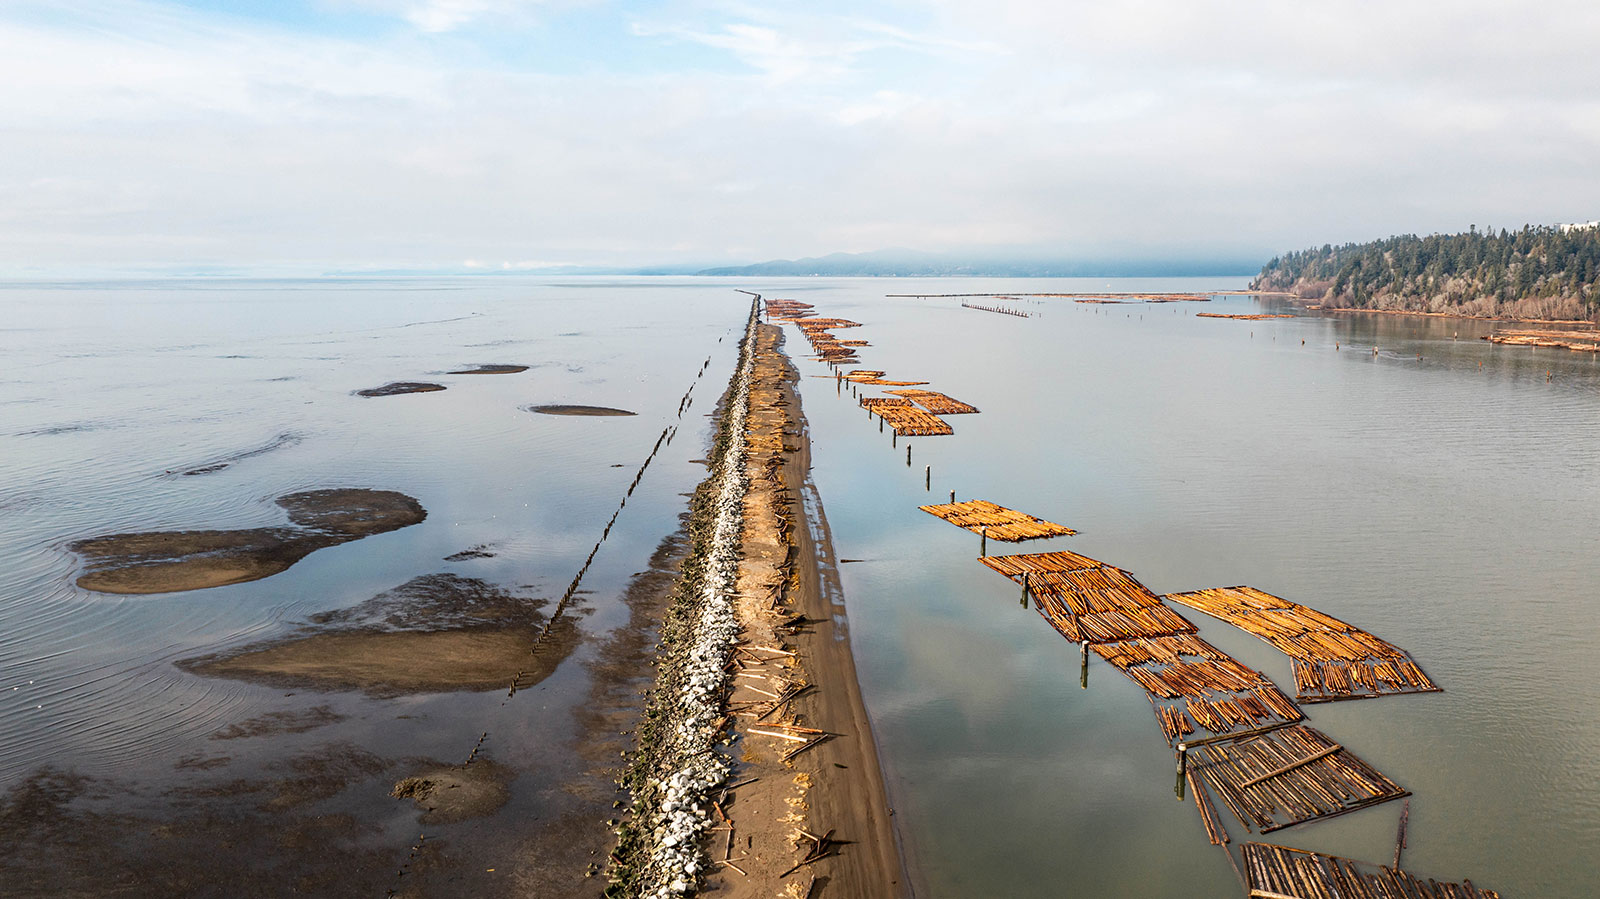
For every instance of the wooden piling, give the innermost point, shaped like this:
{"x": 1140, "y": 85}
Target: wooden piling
{"x": 1400, "y": 837}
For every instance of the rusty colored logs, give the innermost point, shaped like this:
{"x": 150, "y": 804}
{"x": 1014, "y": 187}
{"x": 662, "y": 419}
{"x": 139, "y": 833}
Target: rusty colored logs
{"x": 936, "y": 402}
{"x": 1279, "y": 870}
{"x": 1192, "y": 683}
{"x": 909, "y": 421}
{"x": 981, "y": 516}
{"x": 1583, "y": 341}
{"x": 1332, "y": 660}
{"x": 1289, "y": 776}
{"x": 1086, "y": 600}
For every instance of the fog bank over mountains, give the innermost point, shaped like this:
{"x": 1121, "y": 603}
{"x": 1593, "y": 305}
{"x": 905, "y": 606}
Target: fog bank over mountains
{"x": 914, "y": 264}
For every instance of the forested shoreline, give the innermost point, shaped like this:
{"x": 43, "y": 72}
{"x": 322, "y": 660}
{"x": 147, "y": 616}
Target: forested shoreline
{"x": 1538, "y": 272}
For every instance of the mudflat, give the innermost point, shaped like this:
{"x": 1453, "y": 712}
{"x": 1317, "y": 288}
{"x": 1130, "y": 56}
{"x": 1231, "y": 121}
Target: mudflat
{"x": 174, "y": 561}
{"x": 434, "y": 633}
{"x": 566, "y": 409}
{"x": 396, "y": 388}
{"x": 492, "y": 368}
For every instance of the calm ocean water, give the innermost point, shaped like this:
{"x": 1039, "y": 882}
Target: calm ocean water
{"x": 111, "y": 391}
{"x": 1446, "y": 507}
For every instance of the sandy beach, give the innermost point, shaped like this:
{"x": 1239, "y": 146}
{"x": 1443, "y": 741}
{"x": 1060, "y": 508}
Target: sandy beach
{"x": 752, "y": 659}
{"x": 817, "y": 822}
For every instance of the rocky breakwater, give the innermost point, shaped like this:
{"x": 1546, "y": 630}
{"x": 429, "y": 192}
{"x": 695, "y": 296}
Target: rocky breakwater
{"x": 677, "y": 762}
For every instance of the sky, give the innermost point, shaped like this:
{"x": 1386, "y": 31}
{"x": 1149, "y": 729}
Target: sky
{"x": 300, "y": 136}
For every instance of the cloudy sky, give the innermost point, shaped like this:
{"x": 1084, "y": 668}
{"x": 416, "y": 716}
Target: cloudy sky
{"x": 306, "y": 135}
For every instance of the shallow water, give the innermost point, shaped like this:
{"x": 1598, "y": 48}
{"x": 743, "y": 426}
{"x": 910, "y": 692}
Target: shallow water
{"x": 1445, "y": 507}
{"x": 111, "y": 392}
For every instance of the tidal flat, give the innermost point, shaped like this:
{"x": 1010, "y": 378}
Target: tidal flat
{"x": 1350, "y": 463}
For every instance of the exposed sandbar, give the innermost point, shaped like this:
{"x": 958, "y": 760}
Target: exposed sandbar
{"x": 173, "y": 561}
{"x": 395, "y": 388}
{"x": 787, "y": 589}
{"x": 490, "y": 369}
{"x": 565, "y": 409}
{"x": 435, "y": 633}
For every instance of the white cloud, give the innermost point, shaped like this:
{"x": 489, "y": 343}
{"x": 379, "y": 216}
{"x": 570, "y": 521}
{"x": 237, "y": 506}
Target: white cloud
{"x": 439, "y": 16}
{"x": 136, "y": 132}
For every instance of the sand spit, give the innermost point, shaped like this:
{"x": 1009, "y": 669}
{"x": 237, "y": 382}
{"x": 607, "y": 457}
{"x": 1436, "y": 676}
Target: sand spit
{"x": 565, "y": 409}
{"x": 749, "y": 572}
{"x": 807, "y": 814}
{"x": 395, "y": 388}
{"x": 173, "y": 561}
{"x": 434, "y": 633}
{"x": 492, "y": 368}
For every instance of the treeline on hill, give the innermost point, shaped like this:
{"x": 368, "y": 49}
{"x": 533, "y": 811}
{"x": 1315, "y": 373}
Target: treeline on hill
{"x": 1537, "y": 272}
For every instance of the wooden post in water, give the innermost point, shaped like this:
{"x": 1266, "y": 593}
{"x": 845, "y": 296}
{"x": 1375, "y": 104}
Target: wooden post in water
{"x": 983, "y": 548}
{"x": 1400, "y": 839}
{"x": 1025, "y": 589}
{"x": 1083, "y": 679}
{"x": 1183, "y": 768}
{"x": 952, "y": 496}
{"x": 927, "y": 479}
{"x": 908, "y": 455}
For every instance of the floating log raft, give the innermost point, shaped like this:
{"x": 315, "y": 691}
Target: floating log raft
{"x": 1115, "y": 297}
{"x": 1192, "y": 685}
{"x": 1247, "y": 318}
{"x": 1016, "y": 566}
{"x": 909, "y": 421}
{"x": 936, "y": 402}
{"x": 1281, "y": 871}
{"x": 981, "y": 516}
{"x": 1091, "y": 601}
{"x": 1581, "y": 341}
{"x": 828, "y": 347}
{"x": 883, "y": 402}
{"x": 1289, "y": 776}
{"x": 788, "y": 310}
{"x": 873, "y": 376}
{"x": 1332, "y": 660}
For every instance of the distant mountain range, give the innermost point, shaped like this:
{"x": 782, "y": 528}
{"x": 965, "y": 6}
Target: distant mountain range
{"x": 915, "y": 264}
{"x": 895, "y": 263}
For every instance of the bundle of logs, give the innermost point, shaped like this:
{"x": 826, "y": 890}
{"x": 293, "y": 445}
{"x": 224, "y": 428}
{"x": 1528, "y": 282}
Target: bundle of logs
{"x": 936, "y": 402}
{"x": 1278, "y": 872}
{"x": 996, "y": 521}
{"x": 1332, "y": 660}
{"x": 1289, "y": 776}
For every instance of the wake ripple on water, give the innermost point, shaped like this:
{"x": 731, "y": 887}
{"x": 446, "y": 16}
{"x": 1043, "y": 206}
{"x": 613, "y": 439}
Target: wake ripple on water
{"x": 285, "y": 439}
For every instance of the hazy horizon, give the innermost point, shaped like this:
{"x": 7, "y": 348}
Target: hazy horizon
{"x": 330, "y": 135}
